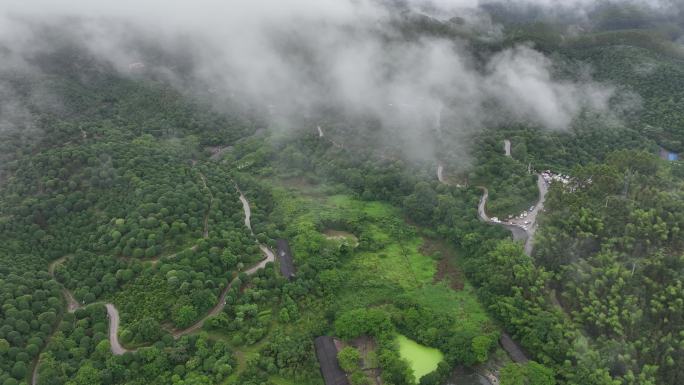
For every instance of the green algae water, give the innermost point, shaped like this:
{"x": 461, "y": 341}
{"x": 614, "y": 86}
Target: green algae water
{"x": 422, "y": 359}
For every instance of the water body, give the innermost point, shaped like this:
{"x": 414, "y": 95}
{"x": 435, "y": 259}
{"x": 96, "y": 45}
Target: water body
{"x": 422, "y": 359}
{"x": 668, "y": 155}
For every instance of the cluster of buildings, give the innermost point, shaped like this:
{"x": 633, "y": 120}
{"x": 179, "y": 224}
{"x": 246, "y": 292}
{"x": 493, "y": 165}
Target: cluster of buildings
{"x": 549, "y": 177}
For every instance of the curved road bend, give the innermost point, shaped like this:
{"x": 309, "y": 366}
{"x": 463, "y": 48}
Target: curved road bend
{"x": 510, "y": 346}
{"x": 520, "y": 230}
{"x": 116, "y": 347}
{"x": 519, "y": 234}
{"x": 72, "y": 305}
{"x": 113, "y": 313}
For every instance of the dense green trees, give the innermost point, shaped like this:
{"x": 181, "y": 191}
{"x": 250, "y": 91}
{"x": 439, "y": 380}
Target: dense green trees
{"x": 530, "y": 373}
{"x": 79, "y": 354}
{"x": 120, "y": 182}
{"x": 614, "y": 243}
{"x": 109, "y": 182}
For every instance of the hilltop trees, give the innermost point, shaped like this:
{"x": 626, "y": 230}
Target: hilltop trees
{"x": 615, "y": 246}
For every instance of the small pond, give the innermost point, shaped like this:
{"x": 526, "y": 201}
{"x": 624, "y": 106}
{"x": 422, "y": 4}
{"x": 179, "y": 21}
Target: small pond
{"x": 342, "y": 236}
{"x": 422, "y": 359}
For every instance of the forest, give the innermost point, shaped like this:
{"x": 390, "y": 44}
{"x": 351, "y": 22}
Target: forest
{"x": 147, "y": 199}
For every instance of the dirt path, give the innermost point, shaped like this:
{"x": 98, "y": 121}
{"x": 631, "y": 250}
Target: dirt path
{"x": 247, "y": 210}
{"x": 269, "y": 256}
{"x": 72, "y": 305}
{"x": 205, "y": 233}
{"x": 113, "y": 313}
{"x": 116, "y": 347}
{"x": 321, "y": 135}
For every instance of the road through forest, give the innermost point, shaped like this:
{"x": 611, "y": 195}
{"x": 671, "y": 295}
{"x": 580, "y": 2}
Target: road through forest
{"x": 519, "y": 230}
{"x": 113, "y": 313}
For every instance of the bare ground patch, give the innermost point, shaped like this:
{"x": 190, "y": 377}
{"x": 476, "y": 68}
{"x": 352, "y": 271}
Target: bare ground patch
{"x": 447, "y": 271}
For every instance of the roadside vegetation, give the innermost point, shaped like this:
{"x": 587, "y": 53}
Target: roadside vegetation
{"x": 128, "y": 185}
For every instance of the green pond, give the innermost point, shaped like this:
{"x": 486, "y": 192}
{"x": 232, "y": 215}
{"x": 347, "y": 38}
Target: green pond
{"x": 422, "y": 359}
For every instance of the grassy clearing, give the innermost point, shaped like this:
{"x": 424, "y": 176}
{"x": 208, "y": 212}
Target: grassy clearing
{"x": 390, "y": 260}
{"x": 389, "y": 263}
{"x": 400, "y": 263}
{"x": 463, "y": 304}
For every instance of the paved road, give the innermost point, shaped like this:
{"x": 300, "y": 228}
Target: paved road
{"x": 523, "y": 229}
{"x": 519, "y": 234}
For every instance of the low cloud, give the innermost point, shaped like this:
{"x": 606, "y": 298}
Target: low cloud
{"x": 296, "y": 56}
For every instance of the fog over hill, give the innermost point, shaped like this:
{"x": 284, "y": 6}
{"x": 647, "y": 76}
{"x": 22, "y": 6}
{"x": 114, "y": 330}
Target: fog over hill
{"x": 296, "y": 56}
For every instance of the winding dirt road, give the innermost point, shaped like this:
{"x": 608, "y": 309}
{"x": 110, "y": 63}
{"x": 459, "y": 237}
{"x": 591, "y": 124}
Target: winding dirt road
{"x": 114, "y": 344}
{"x": 72, "y": 305}
{"x": 269, "y": 256}
{"x": 246, "y": 209}
{"x": 113, "y": 314}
